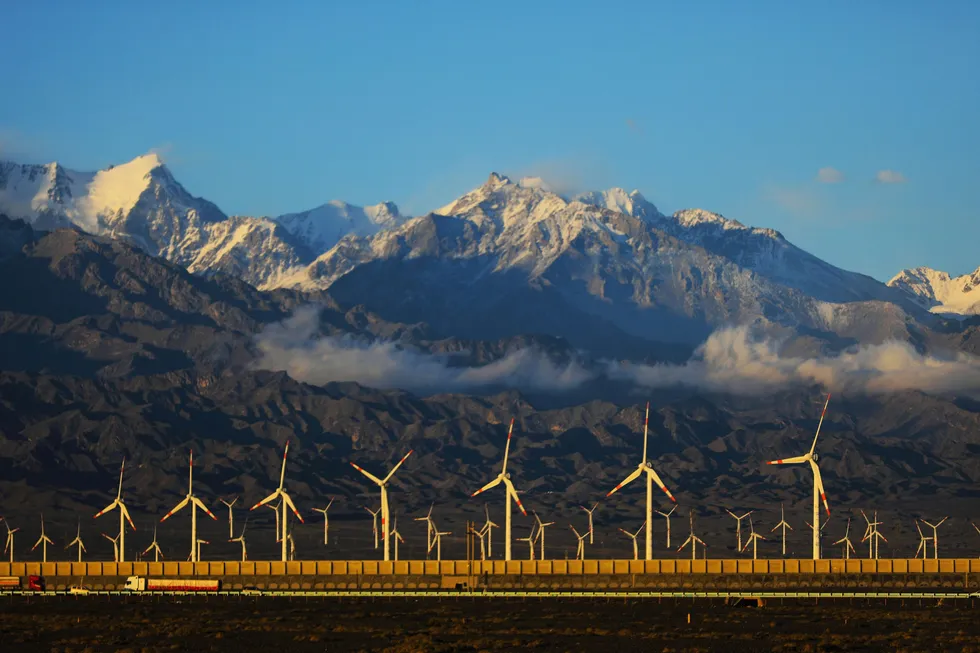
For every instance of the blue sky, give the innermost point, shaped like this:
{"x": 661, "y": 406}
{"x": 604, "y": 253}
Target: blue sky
{"x": 266, "y": 108}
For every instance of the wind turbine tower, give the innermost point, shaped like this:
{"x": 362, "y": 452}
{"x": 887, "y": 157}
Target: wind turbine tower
{"x": 44, "y": 541}
{"x": 194, "y": 503}
{"x": 651, "y": 476}
{"x": 155, "y": 547}
{"x": 848, "y": 547}
{"x": 935, "y": 535}
{"x": 374, "y": 523}
{"x": 117, "y": 504}
{"x": 541, "y": 527}
{"x": 231, "y": 516}
{"x": 241, "y": 539}
{"x": 818, "y": 490}
{"x": 10, "y": 540}
{"x": 753, "y": 539}
{"x": 693, "y": 540}
{"x": 580, "y": 548}
{"x": 285, "y": 501}
{"x": 633, "y": 536}
{"x": 591, "y": 529}
{"x": 115, "y": 546}
{"x": 504, "y": 478}
{"x": 385, "y": 509}
{"x": 738, "y": 525}
{"x": 666, "y": 516}
{"x": 923, "y": 543}
{"x": 326, "y": 521}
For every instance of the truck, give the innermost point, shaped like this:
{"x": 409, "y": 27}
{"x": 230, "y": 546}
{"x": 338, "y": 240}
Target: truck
{"x": 141, "y": 584}
{"x": 34, "y": 583}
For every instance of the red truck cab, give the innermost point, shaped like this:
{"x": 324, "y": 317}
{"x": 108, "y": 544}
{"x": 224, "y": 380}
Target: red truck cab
{"x": 35, "y": 583}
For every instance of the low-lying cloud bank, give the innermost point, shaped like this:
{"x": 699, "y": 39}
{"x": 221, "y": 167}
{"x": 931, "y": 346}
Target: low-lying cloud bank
{"x": 730, "y": 361}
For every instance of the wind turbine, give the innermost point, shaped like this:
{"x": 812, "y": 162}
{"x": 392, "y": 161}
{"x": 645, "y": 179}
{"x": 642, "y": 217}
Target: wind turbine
{"x": 846, "y": 541}
{"x": 633, "y": 536}
{"x": 44, "y": 541}
{"x": 530, "y": 539}
{"x": 10, "y": 539}
{"x": 292, "y": 547}
{"x": 693, "y": 540}
{"x": 118, "y": 504}
{"x": 488, "y": 527}
{"x": 385, "y": 509}
{"x": 818, "y": 490}
{"x": 783, "y": 524}
{"x": 666, "y": 515}
{"x": 504, "y": 478}
{"x": 923, "y": 543}
{"x": 77, "y": 541}
{"x": 396, "y": 536}
{"x": 646, "y": 468}
{"x": 326, "y": 520}
{"x": 115, "y": 546}
{"x": 481, "y": 533}
{"x": 753, "y": 539}
{"x": 231, "y": 516}
{"x": 738, "y": 527}
{"x": 198, "y": 551}
{"x": 241, "y": 540}
{"x": 275, "y": 509}
{"x": 873, "y": 535}
{"x": 438, "y": 542}
{"x": 541, "y": 526}
{"x": 580, "y": 549}
{"x": 594, "y": 506}
{"x": 430, "y": 529}
{"x": 935, "y": 535}
{"x": 157, "y": 553}
{"x": 285, "y": 502}
{"x": 374, "y": 527}
{"x": 194, "y": 503}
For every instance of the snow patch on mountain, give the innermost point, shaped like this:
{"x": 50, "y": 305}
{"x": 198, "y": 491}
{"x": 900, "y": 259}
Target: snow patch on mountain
{"x": 323, "y": 227}
{"x": 940, "y": 293}
{"x": 617, "y": 199}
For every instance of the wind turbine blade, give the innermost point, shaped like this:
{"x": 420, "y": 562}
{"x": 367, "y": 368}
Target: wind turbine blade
{"x": 122, "y": 506}
{"x": 106, "y": 509}
{"x": 819, "y": 485}
{"x": 289, "y": 502}
{"x": 282, "y": 474}
{"x": 789, "y": 461}
{"x": 660, "y": 484}
{"x": 395, "y": 468}
{"x": 513, "y": 494}
{"x": 646, "y": 426}
{"x": 374, "y": 479}
{"x": 266, "y": 500}
{"x": 180, "y": 506}
{"x": 510, "y": 432}
{"x": 629, "y": 479}
{"x": 494, "y": 483}
{"x": 121, "y": 469}
{"x": 819, "y": 424}
{"x": 200, "y": 504}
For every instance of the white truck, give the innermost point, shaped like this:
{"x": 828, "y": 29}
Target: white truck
{"x": 140, "y": 584}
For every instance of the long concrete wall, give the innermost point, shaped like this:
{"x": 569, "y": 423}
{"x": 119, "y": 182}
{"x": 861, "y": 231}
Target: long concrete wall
{"x": 493, "y": 568}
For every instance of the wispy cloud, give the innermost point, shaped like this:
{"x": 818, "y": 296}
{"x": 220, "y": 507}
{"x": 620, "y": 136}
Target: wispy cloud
{"x": 890, "y": 177}
{"x": 798, "y": 201}
{"x": 829, "y": 175}
{"x": 731, "y": 361}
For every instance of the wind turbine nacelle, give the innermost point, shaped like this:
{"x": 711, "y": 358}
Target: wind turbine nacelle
{"x": 507, "y": 476}
{"x": 815, "y": 457}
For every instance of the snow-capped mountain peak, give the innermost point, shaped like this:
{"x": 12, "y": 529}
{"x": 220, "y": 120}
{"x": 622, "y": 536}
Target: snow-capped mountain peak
{"x": 619, "y": 200}
{"x": 322, "y": 227}
{"x": 939, "y": 292}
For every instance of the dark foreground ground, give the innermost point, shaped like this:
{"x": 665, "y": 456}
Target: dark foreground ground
{"x": 280, "y": 625}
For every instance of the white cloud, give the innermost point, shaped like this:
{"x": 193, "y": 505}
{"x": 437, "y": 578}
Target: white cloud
{"x": 890, "y": 177}
{"x": 829, "y": 175}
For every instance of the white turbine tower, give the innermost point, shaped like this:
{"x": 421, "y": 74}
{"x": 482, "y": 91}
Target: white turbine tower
{"x": 385, "y": 509}
{"x": 846, "y": 541}
{"x": 77, "y": 542}
{"x": 326, "y": 521}
{"x": 395, "y": 535}
{"x": 923, "y": 543}
{"x": 44, "y": 541}
{"x": 430, "y": 530}
{"x": 818, "y": 490}
{"x": 591, "y": 530}
{"x": 541, "y": 527}
{"x": 530, "y": 539}
{"x": 374, "y": 523}
{"x": 783, "y": 525}
{"x": 120, "y": 541}
{"x": 633, "y": 536}
{"x": 935, "y": 535}
{"x": 155, "y": 547}
{"x": 285, "y": 502}
{"x": 580, "y": 549}
{"x": 10, "y": 540}
{"x": 231, "y": 516}
{"x": 438, "y": 536}
{"x": 504, "y": 478}
{"x": 199, "y": 543}
{"x": 488, "y": 527}
{"x": 275, "y": 509}
{"x": 666, "y": 516}
{"x": 241, "y": 539}
{"x": 738, "y": 526}
{"x": 481, "y": 533}
{"x": 873, "y": 536}
{"x": 194, "y": 503}
{"x": 646, "y": 468}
